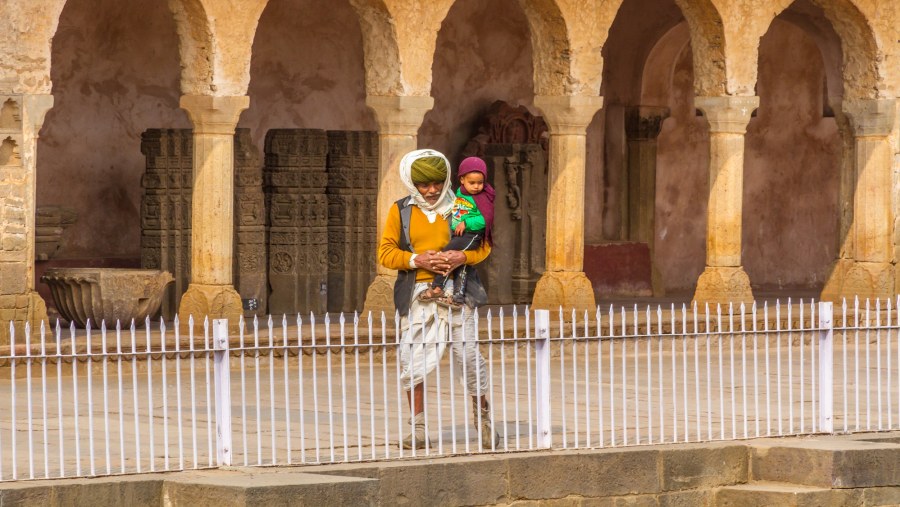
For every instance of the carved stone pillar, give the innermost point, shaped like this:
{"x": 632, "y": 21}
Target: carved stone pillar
{"x": 564, "y": 282}
{"x": 21, "y": 118}
{"x": 865, "y": 267}
{"x": 211, "y": 291}
{"x": 642, "y": 126}
{"x": 724, "y": 278}
{"x": 399, "y": 119}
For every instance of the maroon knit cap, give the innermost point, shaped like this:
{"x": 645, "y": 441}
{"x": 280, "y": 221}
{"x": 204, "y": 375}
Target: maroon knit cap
{"x": 472, "y": 164}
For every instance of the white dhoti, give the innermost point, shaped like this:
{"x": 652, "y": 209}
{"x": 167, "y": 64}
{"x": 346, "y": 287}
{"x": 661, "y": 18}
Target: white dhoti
{"x": 427, "y": 331}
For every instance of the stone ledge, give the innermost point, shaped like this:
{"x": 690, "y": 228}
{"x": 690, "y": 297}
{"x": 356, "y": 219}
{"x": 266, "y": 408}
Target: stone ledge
{"x": 673, "y": 475}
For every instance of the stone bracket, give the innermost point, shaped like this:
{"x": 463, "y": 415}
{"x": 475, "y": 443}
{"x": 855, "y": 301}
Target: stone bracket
{"x": 214, "y": 115}
{"x": 399, "y": 115}
{"x": 871, "y": 117}
{"x": 568, "y": 114}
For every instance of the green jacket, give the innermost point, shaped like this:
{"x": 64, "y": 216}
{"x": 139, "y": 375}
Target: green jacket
{"x": 465, "y": 210}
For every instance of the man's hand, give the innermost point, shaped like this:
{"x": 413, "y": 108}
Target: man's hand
{"x": 440, "y": 262}
{"x": 432, "y": 261}
{"x": 460, "y": 229}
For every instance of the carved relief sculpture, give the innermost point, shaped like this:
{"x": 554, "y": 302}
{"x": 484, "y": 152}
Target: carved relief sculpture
{"x": 514, "y": 143}
{"x": 352, "y": 190}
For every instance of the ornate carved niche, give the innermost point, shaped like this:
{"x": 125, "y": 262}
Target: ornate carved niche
{"x": 9, "y": 153}
{"x": 10, "y": 116}
{"x": 514, "y": 143}
{"x": 166, "y": 214}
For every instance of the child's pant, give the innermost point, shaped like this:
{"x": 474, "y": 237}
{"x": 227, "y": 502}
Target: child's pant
{"x": 468, "y": 241}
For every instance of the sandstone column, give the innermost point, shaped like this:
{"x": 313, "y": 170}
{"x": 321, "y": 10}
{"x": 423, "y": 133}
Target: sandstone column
{"x": 564, "y": 282}
{"x": 21, "y": 118}
{"x": 399, "y": 119}
{"x": 211, "y": 291}
{"x": 724, "y": 279}
{"x": 868, "y": 270}
{"x": 642, "y": 126}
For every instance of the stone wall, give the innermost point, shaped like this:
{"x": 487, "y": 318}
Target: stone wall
{"x": 115, "y": 74}
{"x": 14, "y": 248}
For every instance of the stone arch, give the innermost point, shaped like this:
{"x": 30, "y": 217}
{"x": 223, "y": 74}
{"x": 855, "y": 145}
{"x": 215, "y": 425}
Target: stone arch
{"x": 550, "y": 46}
{"x": 792, "y": 163}
{"x": 861, "y": 54}
{"x": 380, "y": 48}
{"x": 196, "y": 46}
{"x": 656, "y": 79}
{"x": 708, "y": 46}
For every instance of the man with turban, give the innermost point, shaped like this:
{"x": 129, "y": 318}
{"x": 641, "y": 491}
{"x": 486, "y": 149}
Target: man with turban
{"x": 417, "y": 229}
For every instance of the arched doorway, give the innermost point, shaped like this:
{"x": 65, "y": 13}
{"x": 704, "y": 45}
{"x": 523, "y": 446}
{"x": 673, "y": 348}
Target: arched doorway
{"x": 793, "y": 157}
{"x": 483, "y": 68}
{"x": 115, "y": 73}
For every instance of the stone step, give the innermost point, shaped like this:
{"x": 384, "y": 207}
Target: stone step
{"x": 262, "y": 487}
{"x": 775, "y": 494}
{"x": 826, "y": 463}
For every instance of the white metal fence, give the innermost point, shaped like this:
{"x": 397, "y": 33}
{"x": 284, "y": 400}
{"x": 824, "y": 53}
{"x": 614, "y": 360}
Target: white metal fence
{"x": 300, "y": 390}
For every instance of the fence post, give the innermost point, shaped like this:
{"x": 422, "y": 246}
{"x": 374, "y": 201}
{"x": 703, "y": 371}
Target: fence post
{"x": 542, "y": 376}
{"x": 826, "y": 367}
{"x": 222, "y": 392}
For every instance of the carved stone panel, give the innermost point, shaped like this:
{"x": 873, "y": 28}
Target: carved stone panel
{"x": 513, "y": 144}
{"x": 166, "y": 210}
{"x": 249, "y": 223}
{"x": 166, "y": 214}
{"x": 297, "y": 209}
{"x": 352, "y": 190}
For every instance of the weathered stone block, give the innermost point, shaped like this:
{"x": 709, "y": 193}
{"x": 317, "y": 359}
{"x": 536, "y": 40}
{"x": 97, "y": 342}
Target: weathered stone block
{"x": 597, "y": 474}
{"x": 626, "y": 501}
{"x": 13, "y": 242}
{"x": 704, "y": 467}
{"x": 696, "y": 498}
{"x": 828, "y": 463}
{"x": 786, "y": 495}
{"x": 101, "y": 493}
{"x": 13, "y": 278}
{"x": 876, "y": 497}
{"x": 485, "y": 483}
{"x": 27, "y": 495}
{"x": 264, "y": 488}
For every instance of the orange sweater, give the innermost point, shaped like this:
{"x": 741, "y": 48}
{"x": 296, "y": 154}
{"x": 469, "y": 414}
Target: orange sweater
{"x": 424, "y": 236}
